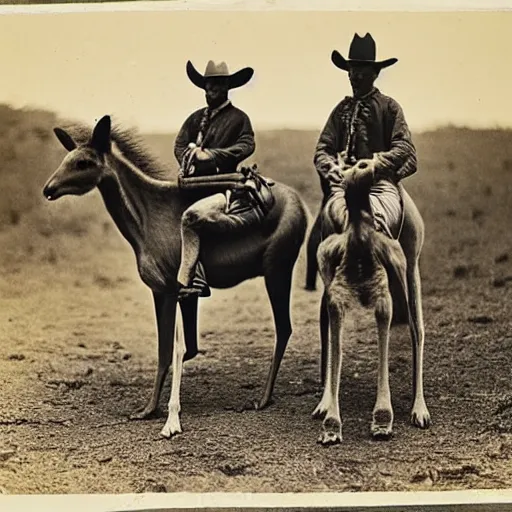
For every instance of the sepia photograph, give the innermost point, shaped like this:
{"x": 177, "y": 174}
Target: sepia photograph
{"x": 255, "y": 251}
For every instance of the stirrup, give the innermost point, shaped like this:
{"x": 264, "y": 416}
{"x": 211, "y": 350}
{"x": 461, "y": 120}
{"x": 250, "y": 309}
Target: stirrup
{"x": 189, "y": 291}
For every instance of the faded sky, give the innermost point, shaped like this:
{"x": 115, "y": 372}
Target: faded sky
{"x": 453, "y": 67}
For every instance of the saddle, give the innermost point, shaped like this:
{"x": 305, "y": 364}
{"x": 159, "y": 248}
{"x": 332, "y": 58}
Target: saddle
{"x": 246, "y": 182}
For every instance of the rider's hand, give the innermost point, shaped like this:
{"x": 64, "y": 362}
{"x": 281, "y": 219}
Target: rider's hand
{"x": 203, "y": 155}
{"x": 189, "y": 153}
{"x": 344, "y": 161}
{"x": 335, "y": 177}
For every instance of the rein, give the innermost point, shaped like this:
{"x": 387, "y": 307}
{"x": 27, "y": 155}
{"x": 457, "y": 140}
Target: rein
{"x": 208, "y": 114}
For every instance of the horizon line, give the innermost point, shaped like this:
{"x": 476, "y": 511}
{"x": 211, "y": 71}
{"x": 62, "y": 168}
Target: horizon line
{"x": 264, "y": 127}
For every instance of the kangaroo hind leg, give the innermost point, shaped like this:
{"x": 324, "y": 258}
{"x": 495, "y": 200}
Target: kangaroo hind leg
{"x": 382, "y": 420}
{"x": 329, "y": 257}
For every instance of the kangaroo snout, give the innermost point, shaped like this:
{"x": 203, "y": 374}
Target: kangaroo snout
{"x": 50, "y": 191}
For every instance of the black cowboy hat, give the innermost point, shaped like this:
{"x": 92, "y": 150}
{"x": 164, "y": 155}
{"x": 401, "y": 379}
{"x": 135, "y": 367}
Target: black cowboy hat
{"x": 214, "y": 69}
{"x": 362, "y": 51}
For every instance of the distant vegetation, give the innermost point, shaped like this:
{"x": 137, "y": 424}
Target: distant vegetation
{"x": 27, "y": 154}
{"x": 454, "y": 163}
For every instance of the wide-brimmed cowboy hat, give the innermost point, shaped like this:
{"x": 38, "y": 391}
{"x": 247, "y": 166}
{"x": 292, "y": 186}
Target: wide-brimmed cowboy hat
{"x": 362, "y": 51}
{"x": 214, "y": 69}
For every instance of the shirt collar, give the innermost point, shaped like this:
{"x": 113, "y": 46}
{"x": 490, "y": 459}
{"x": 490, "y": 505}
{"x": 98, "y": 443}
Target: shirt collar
{"x": 373, "y": 91}
{"x": 215, "y": 111}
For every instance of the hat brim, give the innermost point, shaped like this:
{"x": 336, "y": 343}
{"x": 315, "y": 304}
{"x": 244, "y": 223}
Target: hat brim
{"x": 235, "y": 80}
{"x": 340, "y": 62}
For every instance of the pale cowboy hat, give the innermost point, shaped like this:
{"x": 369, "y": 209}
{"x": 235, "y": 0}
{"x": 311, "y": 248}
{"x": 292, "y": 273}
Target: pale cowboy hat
{"x": 362, "y": 51}
{"x": 214, "y": 69}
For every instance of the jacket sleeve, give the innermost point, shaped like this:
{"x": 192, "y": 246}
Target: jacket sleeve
{"x": 183, "y": 139}
{"x": 243, "y": 145}
{"x": 400, "y": 161}
{"x": 327, "y": 149}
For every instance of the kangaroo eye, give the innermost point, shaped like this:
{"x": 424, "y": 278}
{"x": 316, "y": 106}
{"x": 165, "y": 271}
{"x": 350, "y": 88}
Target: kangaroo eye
{"x": 83, "y": 164}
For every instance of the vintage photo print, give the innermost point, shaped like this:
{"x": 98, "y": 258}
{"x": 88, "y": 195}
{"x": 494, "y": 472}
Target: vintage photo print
{"x": 255, "y": 250}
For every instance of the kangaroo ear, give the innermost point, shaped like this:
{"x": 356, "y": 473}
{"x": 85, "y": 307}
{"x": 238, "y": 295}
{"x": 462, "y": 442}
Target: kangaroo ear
{"x": 65, "y": 139}
{"x": 100, "y": 139}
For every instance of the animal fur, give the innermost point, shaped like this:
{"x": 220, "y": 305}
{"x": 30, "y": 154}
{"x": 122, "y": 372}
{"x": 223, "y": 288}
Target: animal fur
{"x": 146, "y": 205}
{"x": 363, "y": 267}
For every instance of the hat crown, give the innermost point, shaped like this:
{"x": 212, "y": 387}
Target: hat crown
{"x": 220, "y": 69}
{"x": 362, "y": 48}
{"x": 362, "y": 51}
{"x": 216, "y": 69}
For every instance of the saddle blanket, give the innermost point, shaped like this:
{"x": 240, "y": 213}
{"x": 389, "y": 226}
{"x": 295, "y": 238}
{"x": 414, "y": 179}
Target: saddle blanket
{"x": 386, "y": 204}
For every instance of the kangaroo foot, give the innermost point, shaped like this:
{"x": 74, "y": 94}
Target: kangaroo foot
{"x": 263, "y": 403}
{"x": 382, "y": 424}
{"x": 172, "y": 426}
{"x": 331, "y": 432}
{"x": 147, "y": 413}
{"x": 420, "y": 417}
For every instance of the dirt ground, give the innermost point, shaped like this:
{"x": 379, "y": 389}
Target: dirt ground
{"x": 78, "y": 355}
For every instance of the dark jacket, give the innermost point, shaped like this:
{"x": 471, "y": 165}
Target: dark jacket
{"x": 228, "y": 135}
{"x": 377, "y": 128}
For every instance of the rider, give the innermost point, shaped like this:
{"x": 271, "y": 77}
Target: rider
{"x": 366, "y": 128}
{"x": 213, "y": 140}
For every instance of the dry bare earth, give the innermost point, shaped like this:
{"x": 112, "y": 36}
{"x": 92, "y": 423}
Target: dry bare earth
{"x": 78, "y": 344}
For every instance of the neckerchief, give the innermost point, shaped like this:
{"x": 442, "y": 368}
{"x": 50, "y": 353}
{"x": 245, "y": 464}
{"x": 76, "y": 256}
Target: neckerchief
{"x": 208, "y": 115}
{"x": 358, "y": 103}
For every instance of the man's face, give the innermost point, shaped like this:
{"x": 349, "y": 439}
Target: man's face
{"x": 216, "y": 91}
{"x": 362, "y": 77}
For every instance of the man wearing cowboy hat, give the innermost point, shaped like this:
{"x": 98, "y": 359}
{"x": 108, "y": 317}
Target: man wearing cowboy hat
{"x": 213, "y": 139}
{"x": 366, "y": 128}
